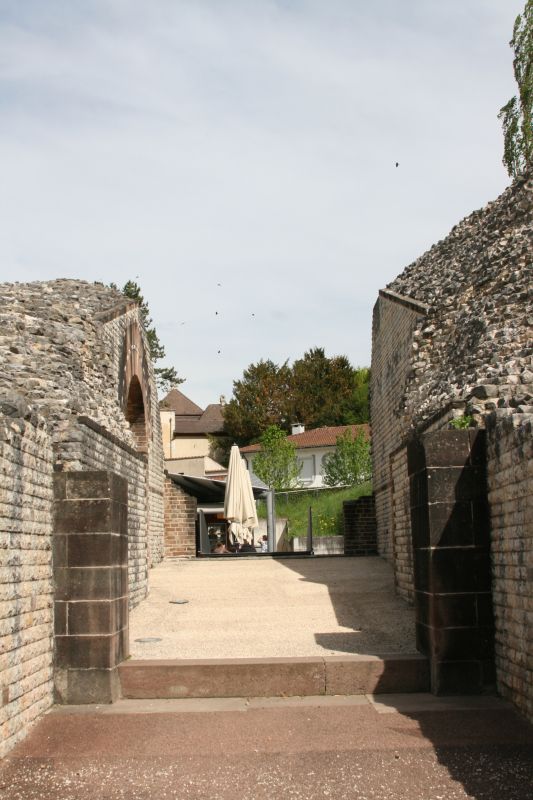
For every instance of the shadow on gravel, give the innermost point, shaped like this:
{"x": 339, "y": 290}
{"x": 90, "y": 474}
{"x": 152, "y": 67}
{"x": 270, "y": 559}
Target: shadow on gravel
{"x": 366, "y": 603}
{"x": 489, "y": 752}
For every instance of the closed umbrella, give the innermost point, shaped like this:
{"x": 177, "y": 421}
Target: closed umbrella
{"x": 239, "y": 504}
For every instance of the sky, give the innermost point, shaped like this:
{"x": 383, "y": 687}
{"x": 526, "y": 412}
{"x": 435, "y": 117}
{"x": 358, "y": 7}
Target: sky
{"x": 237, "y": 158}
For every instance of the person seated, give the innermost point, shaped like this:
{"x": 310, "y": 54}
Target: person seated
{"x": 220, "y": 547}
{"x": 246, "y": 547}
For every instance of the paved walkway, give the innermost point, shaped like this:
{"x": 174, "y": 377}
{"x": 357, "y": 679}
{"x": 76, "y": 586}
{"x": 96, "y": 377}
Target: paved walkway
{"x": 413, "y": 747}
{"x": 263, "y": 608}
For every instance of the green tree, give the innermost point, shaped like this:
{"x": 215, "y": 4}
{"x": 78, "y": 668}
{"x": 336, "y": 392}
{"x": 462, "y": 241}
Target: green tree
{"x": 328, "y": 391}
{"x": 276, "y": 463}
{"x": 260, "y": 399}
{"x": 360, "y": 410}
{"x": 350, "y": 463}
{"x": 166, "y": 377}
{"x": 316, "y": 391}
{"x": 517, "y": 114}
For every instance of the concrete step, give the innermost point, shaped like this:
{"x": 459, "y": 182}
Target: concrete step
{"x": 274, "y": 677}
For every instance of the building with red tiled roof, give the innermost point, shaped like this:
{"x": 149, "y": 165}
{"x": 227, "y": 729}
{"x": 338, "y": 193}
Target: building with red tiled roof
{"x": 186, "y": 428}
{"x": 311, "y": 448}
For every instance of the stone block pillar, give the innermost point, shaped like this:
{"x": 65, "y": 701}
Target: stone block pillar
{"x": 90, "y": 555}
{"x": 451, "y": 549}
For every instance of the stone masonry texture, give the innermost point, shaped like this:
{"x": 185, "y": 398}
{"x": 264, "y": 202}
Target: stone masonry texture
{"x": 452, "y": 334}
{"x": 510, "y": 483}
{"x": 26, "y": 581}
{"x": 77, "y": 393}
{"x": 452, "y": 338}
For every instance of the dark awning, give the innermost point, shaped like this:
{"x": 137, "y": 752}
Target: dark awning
{"x": 207, "y": 490}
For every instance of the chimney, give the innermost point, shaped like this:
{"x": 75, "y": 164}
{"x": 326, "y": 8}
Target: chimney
{"x": 297, "y": 427}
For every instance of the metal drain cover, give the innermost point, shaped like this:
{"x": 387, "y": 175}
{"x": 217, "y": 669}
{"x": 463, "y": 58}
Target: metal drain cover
{"x": 149, "y": 639}
{"x": 178, "y": 602}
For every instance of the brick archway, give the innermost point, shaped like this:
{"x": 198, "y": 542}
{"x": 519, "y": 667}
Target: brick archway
{"x": 136, "y": 415}
{"x": 134, "y": 386}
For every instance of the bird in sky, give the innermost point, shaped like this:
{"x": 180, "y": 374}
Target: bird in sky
{"x": 397, "y": 164}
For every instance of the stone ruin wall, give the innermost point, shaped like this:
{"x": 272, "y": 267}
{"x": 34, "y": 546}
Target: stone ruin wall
{"x": 468, "y": 351}
{"x": 61, "y": 356}
{"x": 394, "y": 321}
{"x": 114, "y": 332}
{"x": 451, "y": 336}
{"x": 26, "y": 580}
{"x": 62, "y": 349}
{"x": 474, "y": 345}
{"x": 510, "y": 486}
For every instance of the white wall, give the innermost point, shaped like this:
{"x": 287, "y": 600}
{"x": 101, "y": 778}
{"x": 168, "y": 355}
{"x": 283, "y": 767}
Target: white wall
{"x": 311, "y": 460}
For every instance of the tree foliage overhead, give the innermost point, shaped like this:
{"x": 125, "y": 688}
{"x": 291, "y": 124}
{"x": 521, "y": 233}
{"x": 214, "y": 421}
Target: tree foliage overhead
{"x": 276, "y": 464}
{"x": 166, "y": 377}
{"x": 517, "y": 114}
{"x": 350, "y": 463}
{"x": 316, "y": 391}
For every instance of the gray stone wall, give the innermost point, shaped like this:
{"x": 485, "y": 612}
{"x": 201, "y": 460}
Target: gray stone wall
{"x": 474, "y": 346}
{"x": 26, "y": 585}
{"x": 63, "y": 348}
{"x": 451, "y": 336}
{"x": 394, "y": 322}
{"x": 510, "y": 485}
{"x": 68, "y": 351}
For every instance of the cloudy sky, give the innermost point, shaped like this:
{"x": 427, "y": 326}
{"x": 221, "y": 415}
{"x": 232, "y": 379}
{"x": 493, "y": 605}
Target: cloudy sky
{"x": 237, "y": 158}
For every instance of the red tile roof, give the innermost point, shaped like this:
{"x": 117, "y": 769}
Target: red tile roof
{"x": 176, "y": 401}
{"x": 316, "y": 437}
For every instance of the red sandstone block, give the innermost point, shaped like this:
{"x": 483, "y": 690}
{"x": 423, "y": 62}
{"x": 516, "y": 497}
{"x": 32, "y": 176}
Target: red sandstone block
{"x": 223, "y": 678}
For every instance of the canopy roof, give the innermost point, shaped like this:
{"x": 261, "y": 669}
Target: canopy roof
{"x": 207, "y": 490}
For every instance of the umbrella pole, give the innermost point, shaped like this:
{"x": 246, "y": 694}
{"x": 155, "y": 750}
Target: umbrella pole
{"x": 271, "y": 522}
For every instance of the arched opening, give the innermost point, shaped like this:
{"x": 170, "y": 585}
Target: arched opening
{"x": 136, "y": 416}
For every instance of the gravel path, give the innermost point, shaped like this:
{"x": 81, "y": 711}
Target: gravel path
{"x": 262, "y": 608}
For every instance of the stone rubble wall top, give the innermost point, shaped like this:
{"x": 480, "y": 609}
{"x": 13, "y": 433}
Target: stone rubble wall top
{"x": 53, "y": 351}
{"x": 474, "y": 346}
{"x": 489, "y": 248}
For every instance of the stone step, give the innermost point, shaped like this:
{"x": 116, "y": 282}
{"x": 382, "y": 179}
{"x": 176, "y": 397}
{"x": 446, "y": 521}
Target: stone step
{"x": 274, "y": 677}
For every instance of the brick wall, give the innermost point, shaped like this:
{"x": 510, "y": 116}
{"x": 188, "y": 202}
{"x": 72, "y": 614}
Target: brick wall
{"x": 26, "y": 586}
{"x": 394, "y": 321}
{"x": 510, "y": 482}
{"x": 400, "y": 524}
{"x": 359, "y": 527}
{"x": 180, "y": 520}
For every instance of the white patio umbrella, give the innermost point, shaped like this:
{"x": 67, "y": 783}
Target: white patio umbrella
{"x": 239, "y": 503}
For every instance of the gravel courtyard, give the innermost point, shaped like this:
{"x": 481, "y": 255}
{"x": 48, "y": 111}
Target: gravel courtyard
{"x": 267, "y": 607}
